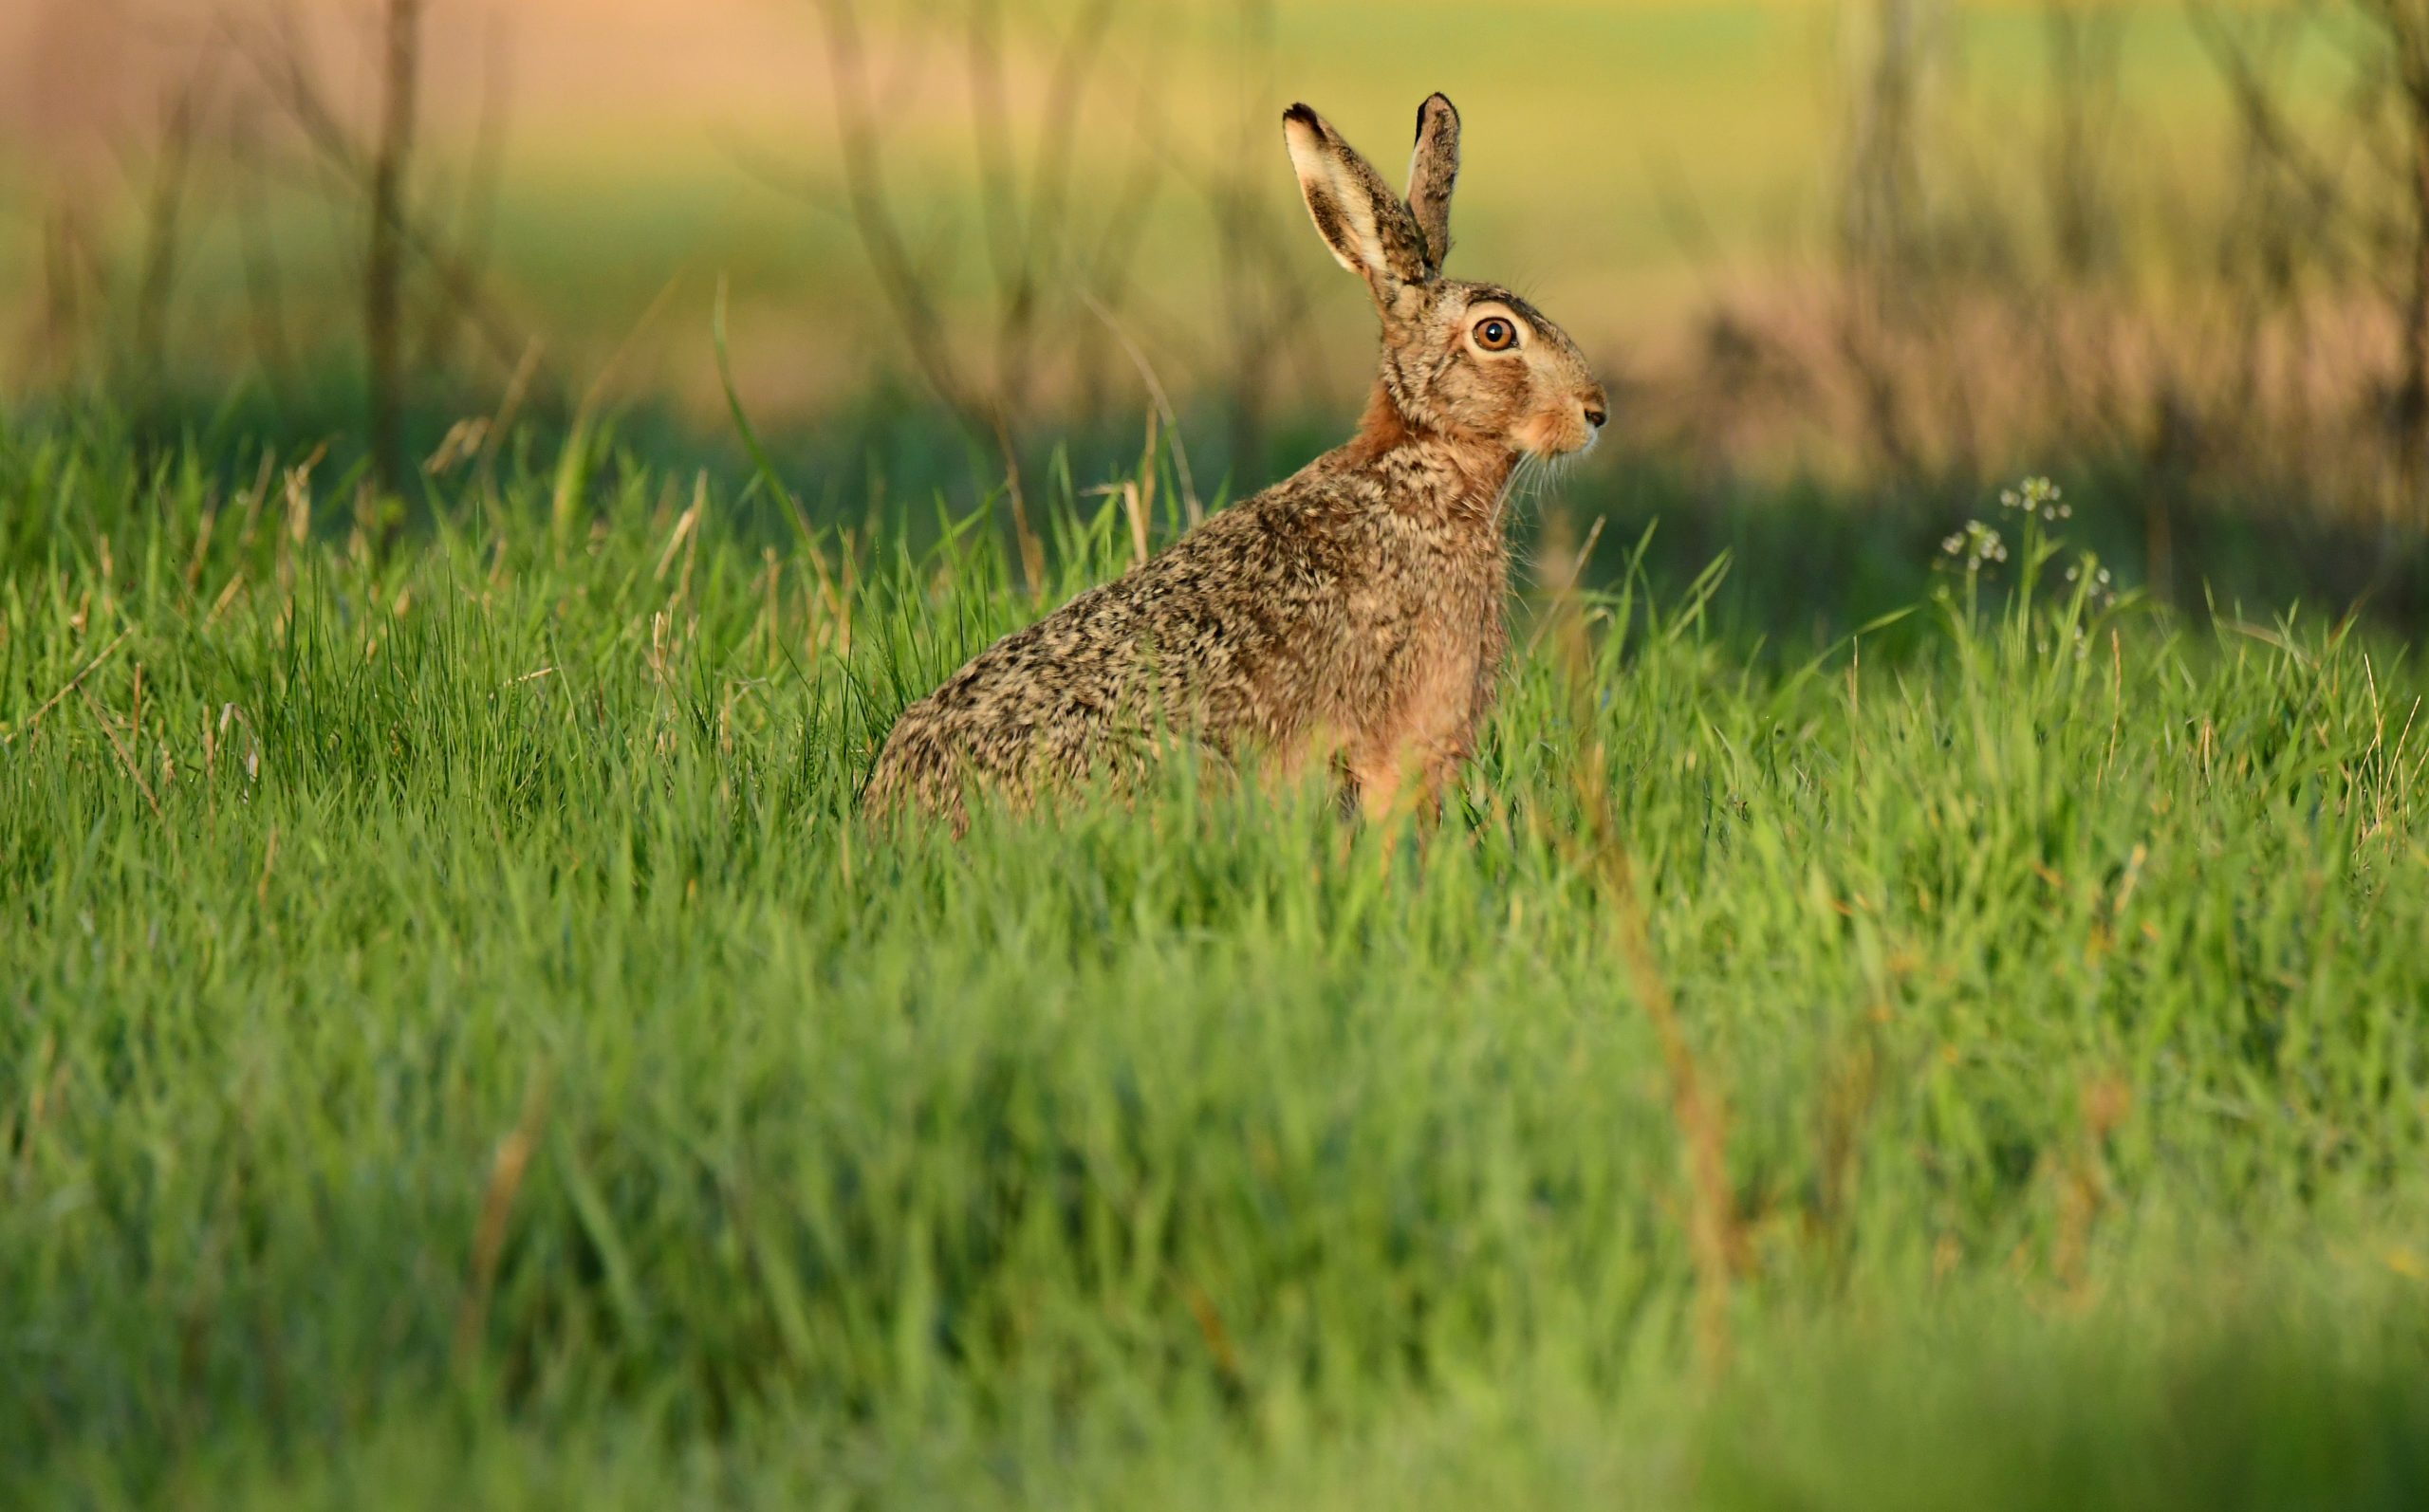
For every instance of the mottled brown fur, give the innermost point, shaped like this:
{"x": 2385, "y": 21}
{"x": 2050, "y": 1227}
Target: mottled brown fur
{"x": 1353, "y": 613}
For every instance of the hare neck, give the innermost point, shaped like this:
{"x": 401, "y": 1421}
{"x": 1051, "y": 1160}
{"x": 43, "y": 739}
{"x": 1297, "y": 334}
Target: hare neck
{"x": 1429, "y": 472}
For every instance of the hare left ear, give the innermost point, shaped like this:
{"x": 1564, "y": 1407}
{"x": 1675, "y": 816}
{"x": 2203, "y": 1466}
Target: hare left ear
{"x": 1369, "y": 228}
{"x": 1432, "y": 169}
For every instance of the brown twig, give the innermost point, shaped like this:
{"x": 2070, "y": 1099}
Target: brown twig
{"x": 77, "y": 681}
{"x": 125, "y": 758}
{"x": 1716, "y": 1242}
{"x": 1163, "y": 404}
{"x": 1712, "y": 1230}
{"x": 507, "y": 1170}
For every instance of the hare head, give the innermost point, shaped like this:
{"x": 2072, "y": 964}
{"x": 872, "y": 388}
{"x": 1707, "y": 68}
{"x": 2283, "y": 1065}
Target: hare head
{"x": 1470, "y": 361}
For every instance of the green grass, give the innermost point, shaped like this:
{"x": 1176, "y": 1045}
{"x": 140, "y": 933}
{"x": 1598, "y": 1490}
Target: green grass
{"x": 460, "y": 1047}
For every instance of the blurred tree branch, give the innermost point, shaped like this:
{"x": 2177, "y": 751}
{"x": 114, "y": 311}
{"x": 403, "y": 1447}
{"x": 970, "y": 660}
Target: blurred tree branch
{"x": 164, "y": 214}
{"x": 384, "y": 270}
{"x": 279, "y": 56}
{"x": 907, "y": 293}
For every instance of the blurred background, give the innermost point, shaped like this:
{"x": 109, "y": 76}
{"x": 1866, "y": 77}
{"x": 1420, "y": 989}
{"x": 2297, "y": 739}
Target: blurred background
{"x": 1848, "y": 263}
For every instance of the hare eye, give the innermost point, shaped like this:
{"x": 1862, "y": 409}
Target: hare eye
{"x": 1496, "y": 335}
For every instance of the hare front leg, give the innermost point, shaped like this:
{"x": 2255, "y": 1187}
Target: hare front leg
{"x": 1407, "y": 780}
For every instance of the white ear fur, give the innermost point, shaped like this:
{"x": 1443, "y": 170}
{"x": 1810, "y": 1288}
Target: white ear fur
{"x": 1337, "y": 200}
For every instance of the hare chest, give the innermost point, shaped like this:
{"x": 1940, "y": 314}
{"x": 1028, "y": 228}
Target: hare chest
{"x": 1437, "y": 665}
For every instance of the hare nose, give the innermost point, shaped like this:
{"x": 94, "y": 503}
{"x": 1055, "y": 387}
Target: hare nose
{"x": 1595, "y": 413}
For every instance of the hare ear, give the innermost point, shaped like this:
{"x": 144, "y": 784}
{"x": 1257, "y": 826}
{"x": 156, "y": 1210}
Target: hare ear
{"x": 1370, "y": 231}
{"x": 1432, "y": 168}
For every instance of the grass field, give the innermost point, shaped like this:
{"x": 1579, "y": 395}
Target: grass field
{"x": 460, "y": 1047}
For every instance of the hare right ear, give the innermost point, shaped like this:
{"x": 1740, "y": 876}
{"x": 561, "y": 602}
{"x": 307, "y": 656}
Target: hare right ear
{"x": 1370, "y": 230}
{"x": 1432, "y": 168}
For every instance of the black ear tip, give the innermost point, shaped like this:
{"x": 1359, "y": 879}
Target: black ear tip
{"x": 1305, "y": 115}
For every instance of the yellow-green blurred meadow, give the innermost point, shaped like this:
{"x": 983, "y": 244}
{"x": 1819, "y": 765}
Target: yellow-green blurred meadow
{"x": 1633, "y": 165}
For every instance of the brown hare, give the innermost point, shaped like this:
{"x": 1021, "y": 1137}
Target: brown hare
{"x": 1351, "y": 615}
